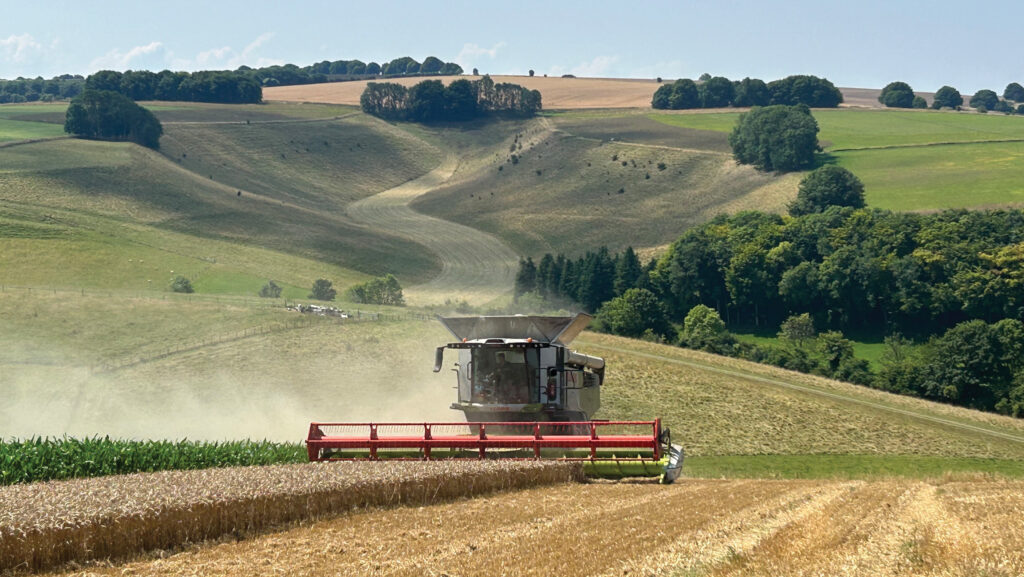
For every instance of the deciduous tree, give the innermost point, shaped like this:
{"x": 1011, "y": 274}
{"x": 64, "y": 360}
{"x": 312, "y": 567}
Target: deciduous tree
{"x": 779, "y": 138}
{"x": 947, "y": 97}
{"x": 827, "y": 186}
{"x": 897, "y": 95}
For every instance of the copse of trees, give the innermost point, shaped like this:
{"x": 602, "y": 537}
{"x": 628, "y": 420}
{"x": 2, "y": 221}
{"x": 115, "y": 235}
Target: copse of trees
{"x": 897, "y": 95}
{"x": 719, "y": 92}
{"x": 805, "y": 89}
{"x": 106, "y": 115}
{"x": 775, "y": 138}
{"x": 431, "y": 101}
{"x": 207, "y": 86}
{"x": 383, "y": 290}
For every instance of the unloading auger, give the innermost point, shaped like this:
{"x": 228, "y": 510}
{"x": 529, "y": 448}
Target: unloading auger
{"x": 525, "y": 395}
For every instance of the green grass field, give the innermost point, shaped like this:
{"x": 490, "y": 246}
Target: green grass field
{"x": 937, "y": 177}
{"x": 869, "y": 351}
{"x": 844, "y": 129}
{"x": 14, "y": 130}
{"x": 913, "y": 160}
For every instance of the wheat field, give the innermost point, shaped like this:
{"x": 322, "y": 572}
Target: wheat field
{"x": 967, "y": 526}
{"x": 46, "y": 524}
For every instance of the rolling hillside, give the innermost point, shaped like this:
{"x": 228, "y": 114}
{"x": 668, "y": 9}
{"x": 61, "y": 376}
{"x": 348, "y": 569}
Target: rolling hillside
{"x": 573, "y": 183}
{"x": 110, "y": 224}
{"x": 77, "y": 212}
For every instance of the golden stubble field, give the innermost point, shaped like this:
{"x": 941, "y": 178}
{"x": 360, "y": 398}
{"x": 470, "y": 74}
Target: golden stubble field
{"x": 558, "y": 93}
{"x": 696, "y": 527}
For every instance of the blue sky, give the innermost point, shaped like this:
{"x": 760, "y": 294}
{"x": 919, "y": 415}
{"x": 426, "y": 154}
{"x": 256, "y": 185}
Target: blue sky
{"x": 865, "y": 43}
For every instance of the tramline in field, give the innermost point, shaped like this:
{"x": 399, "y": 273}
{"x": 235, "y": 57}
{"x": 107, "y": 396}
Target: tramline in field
{"x": 525, "y": 395}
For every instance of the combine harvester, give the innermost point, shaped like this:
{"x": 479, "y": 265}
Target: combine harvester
{"x": 525, "y": 395}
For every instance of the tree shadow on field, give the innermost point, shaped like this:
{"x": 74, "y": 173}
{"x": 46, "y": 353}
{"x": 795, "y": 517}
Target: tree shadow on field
{"x": 823, "y": 159}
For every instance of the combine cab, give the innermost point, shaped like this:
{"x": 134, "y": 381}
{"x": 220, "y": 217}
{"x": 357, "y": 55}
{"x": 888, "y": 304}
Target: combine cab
{"x": 525, "y": 395}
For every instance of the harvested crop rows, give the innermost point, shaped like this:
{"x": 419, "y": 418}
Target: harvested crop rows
{"x": 46, "y": 524}
{"x": 697, "y": 527}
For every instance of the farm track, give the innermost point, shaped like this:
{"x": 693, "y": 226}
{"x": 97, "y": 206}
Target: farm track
{"x": 696, "y": 527}
{"x": 476, "y": 266}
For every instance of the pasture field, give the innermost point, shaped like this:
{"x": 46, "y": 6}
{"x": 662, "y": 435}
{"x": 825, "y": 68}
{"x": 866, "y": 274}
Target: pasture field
{"x": 937, "y": 177}
{"x": 323, "y": 165}
{"x": 15, "y": 130}
{"x": 856, "y": 129}
{"x": 129, "y": 202}
{"x": 570, "y": 193}
{"x": 913, "y": 160}
{"x": 179, "y": 112}
{"x": 842, "y": 129}
{"x": 700, "y": 528}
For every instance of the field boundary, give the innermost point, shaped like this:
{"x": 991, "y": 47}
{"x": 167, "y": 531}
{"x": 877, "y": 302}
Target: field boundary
{"x": 815, "y": 391}
{"x": 926, "y": 145}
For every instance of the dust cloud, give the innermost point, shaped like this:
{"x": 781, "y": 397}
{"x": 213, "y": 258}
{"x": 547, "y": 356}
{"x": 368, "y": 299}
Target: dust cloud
{"x": 267, "y": 388}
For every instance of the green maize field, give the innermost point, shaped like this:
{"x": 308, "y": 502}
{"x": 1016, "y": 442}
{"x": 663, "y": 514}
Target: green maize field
{"x": 44, "y": 459}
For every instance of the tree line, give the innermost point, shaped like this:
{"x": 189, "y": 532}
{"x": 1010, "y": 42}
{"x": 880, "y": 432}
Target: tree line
{"x": 720, "y": 92}
{"x": 233, "y": 87}
{"x": 431, "y": 100}
{"x": 224, "y": 87}
{"x": 952, "y": 280}
{"x": 901, "y": 95}
{"x": 341, "y": 70}
{"x": 63, "y": 87}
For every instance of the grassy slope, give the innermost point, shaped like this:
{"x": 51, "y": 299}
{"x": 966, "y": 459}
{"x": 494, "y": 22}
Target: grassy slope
{"x": 320, "y": 164}
{"x": 79, "y": 213}
{"x": 743, "y": 419}
{"x": 564, "y": 193}
{"x": 914, "y": 160}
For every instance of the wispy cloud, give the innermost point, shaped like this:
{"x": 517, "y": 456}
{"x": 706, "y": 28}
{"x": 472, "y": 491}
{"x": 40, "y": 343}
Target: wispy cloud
{"x": 473, "y": 53}
{"x": 226, "y": 57}
{"x": 599, "y": 66}
{"x": 118, "y": 60}
{"x": 19, "y": 48}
